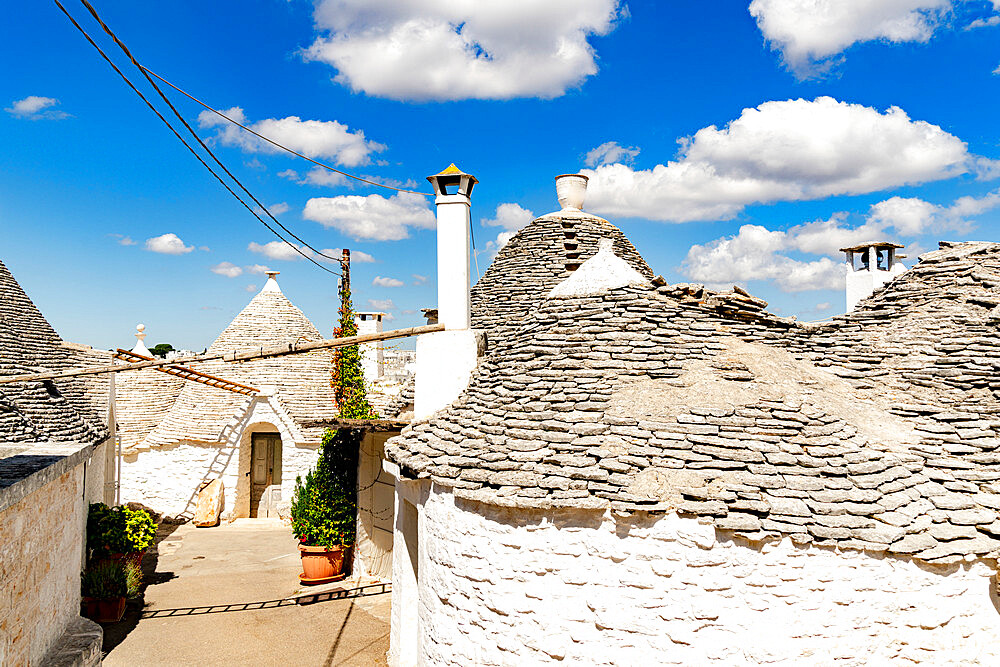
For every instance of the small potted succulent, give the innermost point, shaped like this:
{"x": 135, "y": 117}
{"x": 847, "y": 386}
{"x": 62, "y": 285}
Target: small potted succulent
{"x": 324, "y": 509}
{"x": 106, "y": 586}
{"x": 119, "y": 533}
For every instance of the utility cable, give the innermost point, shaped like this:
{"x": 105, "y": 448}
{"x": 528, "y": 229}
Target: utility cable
{"x": 194, "y": 134}
{"x": 181, "y": 139}
{"x": 275, "y": 143}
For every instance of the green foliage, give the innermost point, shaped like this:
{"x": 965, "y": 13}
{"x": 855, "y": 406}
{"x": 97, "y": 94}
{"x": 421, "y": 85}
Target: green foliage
{"x": 123, "y": 530}
{"x": 324, "y": 506}
{"x": 161, "y": 349}
{"x": 348, "y": 375}
{"x": 110, "y": 579}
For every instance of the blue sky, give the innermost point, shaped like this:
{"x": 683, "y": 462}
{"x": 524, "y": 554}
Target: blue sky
{"x": 733, "y": 142}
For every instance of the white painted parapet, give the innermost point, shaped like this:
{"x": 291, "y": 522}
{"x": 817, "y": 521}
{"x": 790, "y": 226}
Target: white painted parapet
{"x": 446, "y": 359}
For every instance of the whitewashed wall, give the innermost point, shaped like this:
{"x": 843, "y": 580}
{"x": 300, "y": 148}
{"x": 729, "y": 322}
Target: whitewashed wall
{"x": 517, "y": 587}
{"x": 166, "y": 478}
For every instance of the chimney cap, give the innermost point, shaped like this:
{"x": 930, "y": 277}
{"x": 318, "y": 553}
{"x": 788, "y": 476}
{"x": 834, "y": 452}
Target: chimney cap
{"x": 870, "y": 244}
{"x": 272, "y": 274}
{"x": 453, "y": 176}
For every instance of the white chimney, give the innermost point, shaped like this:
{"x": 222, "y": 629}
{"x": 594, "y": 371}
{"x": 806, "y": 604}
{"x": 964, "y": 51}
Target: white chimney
{"x": 372, "y": 361}
{"x": 453, "y": 188}
{"x": 272, "y": 283}
{"x": 571, "y": 191}
{"x": 446, "y": 359}
{"x": 876, "y": 264}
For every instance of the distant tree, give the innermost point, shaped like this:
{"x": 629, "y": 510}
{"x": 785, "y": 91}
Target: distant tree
{"x": 161, "y": 349}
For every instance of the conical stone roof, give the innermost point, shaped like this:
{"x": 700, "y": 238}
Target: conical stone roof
{"x": 636, "y": 400}
{"x": 534, "y": 261}
{"x": 44, "y": 410}
{"x": 301, "y": 382}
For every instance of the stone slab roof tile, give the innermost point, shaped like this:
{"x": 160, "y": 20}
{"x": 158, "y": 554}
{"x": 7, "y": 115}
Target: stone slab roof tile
{"x": 42, "y": 410}
{"x": 683, "y": 399}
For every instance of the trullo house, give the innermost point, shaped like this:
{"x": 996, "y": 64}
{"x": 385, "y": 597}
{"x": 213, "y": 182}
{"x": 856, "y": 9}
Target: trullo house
{"x": 643, "y": 473}
{"x": 257, "y": 442}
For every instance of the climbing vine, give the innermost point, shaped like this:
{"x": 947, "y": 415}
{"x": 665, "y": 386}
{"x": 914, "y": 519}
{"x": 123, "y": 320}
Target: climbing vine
{"x": 324, "y": 507}
{"x": 348, "y": 375}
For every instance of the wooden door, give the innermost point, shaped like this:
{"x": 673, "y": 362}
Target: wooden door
{"x": 265, "y": 471}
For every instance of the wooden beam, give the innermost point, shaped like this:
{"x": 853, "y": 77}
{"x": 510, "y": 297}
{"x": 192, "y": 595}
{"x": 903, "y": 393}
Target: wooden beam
{"x": 190, "y": 374}
{"x": 230, "y": 357}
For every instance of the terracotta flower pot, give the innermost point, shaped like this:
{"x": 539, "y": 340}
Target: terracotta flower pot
{"x": 103, "y": 611}
{"x": 321, "y": 565}
{"x": 132, "y": 556}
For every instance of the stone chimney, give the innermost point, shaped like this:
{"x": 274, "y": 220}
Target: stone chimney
{"x": 446, "y": 359}
{"x": 869, "y": 266}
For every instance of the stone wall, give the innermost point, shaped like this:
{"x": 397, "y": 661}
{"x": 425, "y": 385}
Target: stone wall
{"x": 41, "y": 554}
{"x": 511, "y": 587}
{"x": 167, "y": 478}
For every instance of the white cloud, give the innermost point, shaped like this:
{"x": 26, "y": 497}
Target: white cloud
{"x": 168, "y": 244}
{"x": 384, "y": 305}
{"x": 489, "y": 49}
{"x": 810, "y": 34}
{"x": 123, "y": 239}
{"x": 314, "y": 138}
{"x": 782, "y": 151}
{"x": 809, "y": 31}
{"x": 511, "y": 217}
{"x": 279, "y": 208}
{"x": 756, "y": 253}
{"x": 987, "y": 22}
{"x": 610, "y": 152}
{"x": 357, "y": 256}
{"x": 373, "y": 217}
{"x": 250, "y": 288}
{"x": 280, "y": 250}
{"x": 323, "y": 178}
{"x": 419, "y": 279}
{"x": 997, "y": 70}
{"x": 227, "y": 269}
{"x": 277, "y": 250}
{"x": 259, "y": 269}
{"x": 35, "y": 107}
{"x": 752, "y": 254}
{"x": 381, "y": 281}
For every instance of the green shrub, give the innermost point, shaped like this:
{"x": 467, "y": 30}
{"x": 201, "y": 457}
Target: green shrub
{"x": 118, "y": 530}
{"x": 110, "y": 579}
{"x": 324, "y": 506}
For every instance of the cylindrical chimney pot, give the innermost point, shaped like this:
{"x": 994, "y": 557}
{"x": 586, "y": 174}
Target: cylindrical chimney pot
{"x": 571, "y": 190}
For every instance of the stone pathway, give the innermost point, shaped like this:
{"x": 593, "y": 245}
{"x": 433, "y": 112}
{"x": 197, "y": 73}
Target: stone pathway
{"x": 246, "y": 561}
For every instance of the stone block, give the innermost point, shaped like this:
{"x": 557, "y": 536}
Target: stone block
{"x": 209, "y": 507}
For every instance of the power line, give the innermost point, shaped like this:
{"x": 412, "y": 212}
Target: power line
{"x": 188, "y": 146}
{"x": 275, "y": 143}
{"x": 194, "y": 134}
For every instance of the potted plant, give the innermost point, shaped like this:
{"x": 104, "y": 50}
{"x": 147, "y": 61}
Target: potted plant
{"x": 119, "y": 533}
{"x": 105, "y": 587}
{"x": 324, "y": 506}
{"x": 324, "y": 509}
